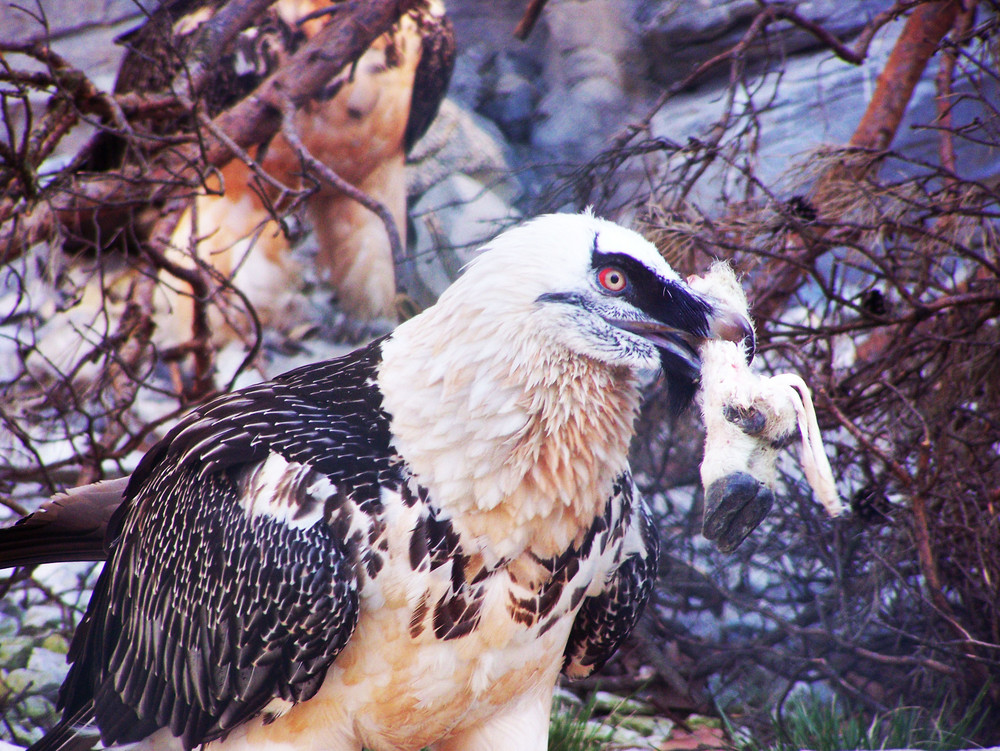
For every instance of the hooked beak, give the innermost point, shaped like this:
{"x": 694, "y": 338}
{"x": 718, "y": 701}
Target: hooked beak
{"x": 681, "y": 345}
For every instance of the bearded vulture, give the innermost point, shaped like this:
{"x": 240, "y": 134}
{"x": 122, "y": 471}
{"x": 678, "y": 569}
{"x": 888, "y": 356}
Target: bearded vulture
{"x": 361, "y": 126}
{"x": 405, "y": 546}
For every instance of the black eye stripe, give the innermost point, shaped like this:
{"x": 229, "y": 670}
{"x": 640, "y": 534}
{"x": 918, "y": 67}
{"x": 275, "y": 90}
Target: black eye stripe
{"x": 666, "y": 300}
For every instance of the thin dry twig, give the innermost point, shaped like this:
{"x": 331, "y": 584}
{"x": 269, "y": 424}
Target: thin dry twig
{"x": 291, "y": 133}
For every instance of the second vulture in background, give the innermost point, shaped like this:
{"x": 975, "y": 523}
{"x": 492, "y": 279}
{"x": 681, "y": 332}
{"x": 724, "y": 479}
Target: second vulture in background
{"x": 361, "y": 126}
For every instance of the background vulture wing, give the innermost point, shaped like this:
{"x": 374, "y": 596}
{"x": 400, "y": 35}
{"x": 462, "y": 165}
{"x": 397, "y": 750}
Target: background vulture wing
{"x": 431, "y": 78}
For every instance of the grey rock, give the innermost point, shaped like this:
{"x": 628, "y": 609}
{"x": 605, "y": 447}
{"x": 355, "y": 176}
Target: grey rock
{"x": 817, "y": 101}
{"x": 450, "y": 221}
{"x": 513, "y": 98}
{"x": 15, "y": 651}
{"x": 677, "y": 35}
{"x": 475, "y": 70}
{"x": 459, "y": 141}
{"x": 588, "y": 70}
{"x": 39, "y": 709}
{"x": 19, "y": 21}
{"x": 48, "y": 663}
{"x": 43, "y": 617}
{"x": 23, "y": 680}
{"x": 10, "y": 624}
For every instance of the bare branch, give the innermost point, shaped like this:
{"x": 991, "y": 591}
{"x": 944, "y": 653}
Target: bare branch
{"x": 291, "y": 133}
{"x": 529, "y": 19}
{"x": 919, "y": 40}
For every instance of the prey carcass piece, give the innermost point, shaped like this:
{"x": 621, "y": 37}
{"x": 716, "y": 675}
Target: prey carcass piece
{"x": 749, "y": 418}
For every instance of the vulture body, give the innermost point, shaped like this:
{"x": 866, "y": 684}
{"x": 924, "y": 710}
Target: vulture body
{"x": 402, "y": 547}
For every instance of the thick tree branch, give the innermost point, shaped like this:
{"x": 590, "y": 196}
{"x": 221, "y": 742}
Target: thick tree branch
{"x": 919, "y": 40}
{"x": 258, "y": 117}
{"x": 216, "y": 34}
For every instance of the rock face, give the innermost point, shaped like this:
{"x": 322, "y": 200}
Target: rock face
{"x": 677, "y": 36}
{"x": 592, "y": 67}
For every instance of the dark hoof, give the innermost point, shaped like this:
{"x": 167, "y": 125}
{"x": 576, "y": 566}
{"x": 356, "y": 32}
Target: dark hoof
{"x": 734, "y": 506}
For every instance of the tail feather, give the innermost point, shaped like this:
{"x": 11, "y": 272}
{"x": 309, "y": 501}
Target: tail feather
{"x": 74, "y": 733}
{"x": 72, "y": 526}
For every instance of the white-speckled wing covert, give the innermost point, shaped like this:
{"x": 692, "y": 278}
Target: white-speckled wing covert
{"x": 246, "y": 606}
{"x": 606, "y": 619}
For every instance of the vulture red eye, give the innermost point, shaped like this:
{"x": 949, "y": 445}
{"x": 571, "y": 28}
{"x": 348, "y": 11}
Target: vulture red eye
{"x": 612, "y": 279}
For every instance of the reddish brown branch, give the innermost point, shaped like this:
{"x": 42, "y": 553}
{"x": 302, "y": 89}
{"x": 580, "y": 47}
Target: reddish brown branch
{"x": 925, "y": 554}
{"x": 529, "y": 19}
{"x": 943, "y": 81}
{"x": 216, "y": 34}
{"x": 880, "y": 20}
{"x": 920, "y": 38}
{"x": 257, "y": 117}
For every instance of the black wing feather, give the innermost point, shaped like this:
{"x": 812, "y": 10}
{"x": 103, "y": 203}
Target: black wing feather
{"x": 605, "y": 620}
{"x": 431, "y": 78}
{"x": 204, "y": 614}
{"x": 71, "y": 526}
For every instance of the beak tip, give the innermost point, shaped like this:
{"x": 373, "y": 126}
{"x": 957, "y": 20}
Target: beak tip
{"x": 729, "y": 319}
{"x": 735, "y": 326}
